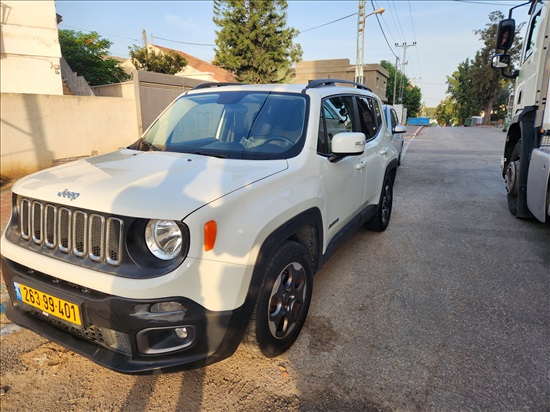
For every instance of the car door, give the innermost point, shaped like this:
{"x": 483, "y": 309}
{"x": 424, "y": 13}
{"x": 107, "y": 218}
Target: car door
{"x": 377, "y": 146}
{"x": 343, "y": 181}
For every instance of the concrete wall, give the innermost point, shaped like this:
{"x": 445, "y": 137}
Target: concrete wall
{"x": 125, "y": 90}
{"x": 29, "y": 48}
{"x": 152, "y": 93}
{"x": 155, "y": 91}
{"x": 40, "y": 130}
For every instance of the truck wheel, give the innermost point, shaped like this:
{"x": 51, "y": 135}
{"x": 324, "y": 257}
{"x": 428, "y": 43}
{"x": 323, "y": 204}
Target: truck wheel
{"x": 381, "y": 220}
{"x": 283, "y": 302}
{"x": 512, "y": 179}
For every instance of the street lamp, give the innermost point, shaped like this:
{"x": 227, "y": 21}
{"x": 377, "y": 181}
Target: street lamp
{"x": 361, "y": 45}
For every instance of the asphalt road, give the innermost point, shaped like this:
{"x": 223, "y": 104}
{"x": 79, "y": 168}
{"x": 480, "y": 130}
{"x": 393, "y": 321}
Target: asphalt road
{"x": 447, "y": 310}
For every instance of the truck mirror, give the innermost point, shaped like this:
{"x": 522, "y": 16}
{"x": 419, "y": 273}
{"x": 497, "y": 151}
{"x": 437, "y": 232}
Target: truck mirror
{"x": 505, "y": 34}
{"x": 500, "y": 61}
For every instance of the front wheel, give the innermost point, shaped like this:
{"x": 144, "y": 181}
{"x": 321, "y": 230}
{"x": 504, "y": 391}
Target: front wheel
{"x": 283, "y": 302}
{"x": 381, "y": 220}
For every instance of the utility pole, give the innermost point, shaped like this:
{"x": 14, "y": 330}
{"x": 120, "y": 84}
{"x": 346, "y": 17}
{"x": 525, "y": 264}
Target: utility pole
{"x": 403, "y": 63}
{"x": 395, "y": 79}
{"x": 360, "y": 42}
{"x": 360, "y": 50}
{"x": 144, "y": 36}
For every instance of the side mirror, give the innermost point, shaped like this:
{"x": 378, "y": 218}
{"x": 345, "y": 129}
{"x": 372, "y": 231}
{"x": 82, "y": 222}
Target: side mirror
{"x": 505, "y": 34}
{"x": 400, "y": 129}
{"x": 347, "y": 144}
{"x": 500, "y": 61}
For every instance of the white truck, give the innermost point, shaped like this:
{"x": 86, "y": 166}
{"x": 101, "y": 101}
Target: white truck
{"x": 525, "y": 165}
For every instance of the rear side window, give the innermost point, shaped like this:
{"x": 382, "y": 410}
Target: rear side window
{"x": 394, "y": 120}
{"x": 370, "y": 116}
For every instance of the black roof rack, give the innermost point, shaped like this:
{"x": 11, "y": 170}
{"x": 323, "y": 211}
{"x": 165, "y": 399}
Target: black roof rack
{"x": 332, "y": 82}
{"x": 215, "y": 84}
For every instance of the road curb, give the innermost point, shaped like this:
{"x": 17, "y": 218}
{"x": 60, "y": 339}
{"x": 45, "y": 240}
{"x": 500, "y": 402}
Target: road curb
{"x": 417, "y": 131}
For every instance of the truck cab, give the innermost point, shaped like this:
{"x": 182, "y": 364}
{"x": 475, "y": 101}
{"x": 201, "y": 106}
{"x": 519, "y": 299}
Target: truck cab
{"x": 525, "y": 163}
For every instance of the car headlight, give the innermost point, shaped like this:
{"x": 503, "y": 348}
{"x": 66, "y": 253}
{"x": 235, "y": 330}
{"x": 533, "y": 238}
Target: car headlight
{"x": 163, "y": 238}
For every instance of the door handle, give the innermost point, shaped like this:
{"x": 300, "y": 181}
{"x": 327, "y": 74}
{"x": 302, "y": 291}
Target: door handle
{"x": 360, "y": 165}
{"x": 383, "y": 151}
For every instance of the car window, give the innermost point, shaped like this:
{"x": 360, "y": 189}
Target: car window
{"x": 336, "y": 117}
{"x": 240, "y": 125}
{"x": 533, "y": 30}
{"x": 394, "y": 119}
{"x": 378, "y": 111}
{"x": 369, "y": 116}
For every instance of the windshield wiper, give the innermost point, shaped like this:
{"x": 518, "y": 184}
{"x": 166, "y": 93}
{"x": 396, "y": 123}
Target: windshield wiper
{"x": 151, "y": 146}
{"x": 142, "y": 142}
{"x": 218, "y": 155}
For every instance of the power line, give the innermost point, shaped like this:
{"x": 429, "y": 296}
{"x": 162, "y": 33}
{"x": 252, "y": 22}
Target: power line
{"x": 330, "y": 22}
{"x": 183, "y": 42}
{"x": 386, "y": 24}
{"x": 414, "y": 38}
{"x": 382, "y": 30}
{"x": 398, "y": 25}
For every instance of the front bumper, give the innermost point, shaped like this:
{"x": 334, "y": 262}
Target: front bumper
{"x": 123, "y": 334}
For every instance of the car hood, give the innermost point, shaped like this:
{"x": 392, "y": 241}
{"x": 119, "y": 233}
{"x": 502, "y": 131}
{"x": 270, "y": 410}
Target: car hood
{"x": 158, "y": 185}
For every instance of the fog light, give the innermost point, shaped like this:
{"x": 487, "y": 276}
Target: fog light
{"x": 156, "y": 341}
{"x": 181, "y": 333}
{"x": 167, "y": 307}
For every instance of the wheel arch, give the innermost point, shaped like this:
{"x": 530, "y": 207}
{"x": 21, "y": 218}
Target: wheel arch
{"x": 512, "y": 138}
{"x": 305, "y": 228}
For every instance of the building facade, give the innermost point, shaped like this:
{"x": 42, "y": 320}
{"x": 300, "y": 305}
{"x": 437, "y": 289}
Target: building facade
{"x": 29, "y": 48}
{"x": 375, "y": 76}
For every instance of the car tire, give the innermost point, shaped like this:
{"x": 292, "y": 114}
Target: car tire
{"x": 512, "y": 179}
{"x": 381, "y": 220}
{"x": 399, "y": 158}
{"x": 283, "y": 302}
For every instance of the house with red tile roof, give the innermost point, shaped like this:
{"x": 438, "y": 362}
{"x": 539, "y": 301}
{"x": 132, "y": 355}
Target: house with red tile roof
{"x": 195, "y": 69}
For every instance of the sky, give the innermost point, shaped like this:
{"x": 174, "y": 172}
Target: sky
{"x": 443, "y": 31}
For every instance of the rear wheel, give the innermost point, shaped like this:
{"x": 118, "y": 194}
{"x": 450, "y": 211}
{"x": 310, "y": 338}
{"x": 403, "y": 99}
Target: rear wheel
{"x": 283, "y": 302}
{"x": 400, "y": 152}
{"x": 381, "y": 220}
{"x": 511, "y": 178}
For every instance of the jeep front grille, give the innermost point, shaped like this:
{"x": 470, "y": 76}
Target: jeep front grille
{"x": 71, "y": 231}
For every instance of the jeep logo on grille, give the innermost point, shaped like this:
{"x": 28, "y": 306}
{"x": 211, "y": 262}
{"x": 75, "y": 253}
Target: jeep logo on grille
{"x": 71, "y": 195}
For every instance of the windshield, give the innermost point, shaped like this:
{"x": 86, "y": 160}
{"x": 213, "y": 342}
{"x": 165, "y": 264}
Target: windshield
{"x": 238, "y": 125}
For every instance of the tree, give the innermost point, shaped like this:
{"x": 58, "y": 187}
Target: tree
{"x": 445, "y": 112}
{"x": 462, "y": 92}
{"x": 412, "y": 95}
{"x": 487, "y": 82}
{"x": 476, "y": 87}
{"x": 146, "y": 58}
{"x": 253, "y": 41}
{"x": 87, "y": 54}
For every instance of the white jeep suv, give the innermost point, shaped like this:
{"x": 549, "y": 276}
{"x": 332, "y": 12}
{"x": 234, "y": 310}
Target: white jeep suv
{"x": 204, "y": 233}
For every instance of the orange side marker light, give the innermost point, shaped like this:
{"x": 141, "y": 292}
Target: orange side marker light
{"x": 210, "y": 232}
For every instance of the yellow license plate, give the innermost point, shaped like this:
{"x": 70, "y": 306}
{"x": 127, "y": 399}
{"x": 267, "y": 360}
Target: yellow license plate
{"x": 62, "y": 309}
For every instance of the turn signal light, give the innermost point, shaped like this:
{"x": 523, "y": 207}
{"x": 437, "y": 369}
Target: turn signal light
{"x": 210, "y": 232}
